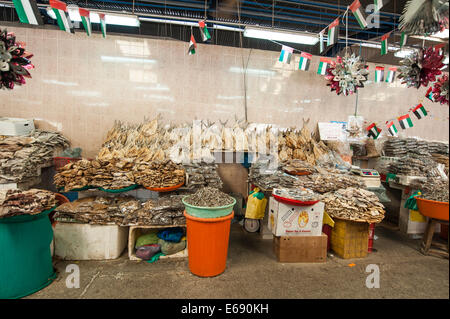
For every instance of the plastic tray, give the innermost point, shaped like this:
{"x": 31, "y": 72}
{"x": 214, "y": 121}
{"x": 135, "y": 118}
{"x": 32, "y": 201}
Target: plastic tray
{"x": 294, "y": 201}
{"x": 120, "y": 190}
{"x": 165, "y": 189}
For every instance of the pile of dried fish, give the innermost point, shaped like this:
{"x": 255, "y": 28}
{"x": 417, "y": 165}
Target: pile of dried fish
{"x": 268, "y": 180}
{"x": 97, "y": 210}
{"x": 441, "y": 159}
{"x": 414, "y": 165}
{"x": 202, "y": 175}
{"x": 15, "y": 202}
{"x": 209, "y": 197}
{"x": 22, "y": 156}
{"x": 325, "y": 183}
{"x": 354, "y": 204}
{"x": 296, "y": 166}
{"x": 301, "y": 194}
{"x": 158, "y": 174}
{"x": 434, "y": 189}
{"x": 397, "y": 147}
{"x": 166, "y": 210}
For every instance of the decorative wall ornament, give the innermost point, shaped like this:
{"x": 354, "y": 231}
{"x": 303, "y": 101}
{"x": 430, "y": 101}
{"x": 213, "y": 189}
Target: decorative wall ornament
{"x": 347, "y": 75}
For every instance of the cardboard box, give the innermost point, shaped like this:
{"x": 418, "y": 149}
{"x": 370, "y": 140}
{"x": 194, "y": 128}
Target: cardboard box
{"x": 300, "y": 249}
{"x": 290, "y": 220}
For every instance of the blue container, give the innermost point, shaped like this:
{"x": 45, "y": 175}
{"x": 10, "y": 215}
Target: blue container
{"x": 25, "y": 256}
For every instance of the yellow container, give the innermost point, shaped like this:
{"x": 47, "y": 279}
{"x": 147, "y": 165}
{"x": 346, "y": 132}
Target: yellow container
{"x": 350, "y": 239}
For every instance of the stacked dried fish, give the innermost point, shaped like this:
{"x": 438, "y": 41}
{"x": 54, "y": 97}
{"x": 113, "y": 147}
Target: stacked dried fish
{"x": 325, "y": 183}
{"x": 158, "y": 174}
{"x": 15, "y": 202}
{"x": 268, "y": 180}
{"x": 434, "y": 189}
{"x": 22, "y": 156}
{"x": 438, "y": 147}
{"x": 397, "y": 147}
{"x": 354, "y": 204}
{"x": 300, "y": 194}
{"x": 74, "y": 175}
{"x": 167, "y": 210}
{"x": 202, "y": 175}
{"x": 441, "y": 159}
{"x": 414, "y": 165}
{"x": 98, "y": 210}
{"x": 296, "y": 166}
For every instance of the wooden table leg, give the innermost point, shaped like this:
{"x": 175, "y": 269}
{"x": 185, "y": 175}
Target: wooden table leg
{"x": 428, "y": 236}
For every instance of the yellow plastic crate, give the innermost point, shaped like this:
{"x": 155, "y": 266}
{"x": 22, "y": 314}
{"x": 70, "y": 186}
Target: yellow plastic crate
{"x": 350, "y": 239}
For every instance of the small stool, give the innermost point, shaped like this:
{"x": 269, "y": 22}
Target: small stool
{"x": 427, "y": 240}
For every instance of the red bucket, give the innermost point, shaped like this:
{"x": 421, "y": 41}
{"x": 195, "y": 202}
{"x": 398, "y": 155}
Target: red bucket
{"x": 371, "y": 235}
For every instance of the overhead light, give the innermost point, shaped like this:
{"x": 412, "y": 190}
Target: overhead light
{"x": 284, "y": 36}
{"x": 115, "y": 19}
{"x": 179, "y": 22}
{"x": 119, "y": 59}
{"x": 403, "y": 53}
{"x": 436, "y": 37}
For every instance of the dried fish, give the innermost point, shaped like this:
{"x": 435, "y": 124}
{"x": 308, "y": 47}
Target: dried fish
{"x": 434, "y": 189}
{"x": 354, "y": 204}
{"x": 296, "y": 166}
{"x": 15, "y": 202}
{"x": 209, "y": 197}
{"x": 158, "y": 174}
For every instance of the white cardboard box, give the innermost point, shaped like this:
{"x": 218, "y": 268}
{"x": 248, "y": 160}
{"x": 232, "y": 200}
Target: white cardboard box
{"x": 14, "y": 126}
{"x": 290, "y": 220}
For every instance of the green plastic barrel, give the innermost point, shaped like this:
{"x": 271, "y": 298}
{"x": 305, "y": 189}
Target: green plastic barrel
{"x": 25, "y": 256}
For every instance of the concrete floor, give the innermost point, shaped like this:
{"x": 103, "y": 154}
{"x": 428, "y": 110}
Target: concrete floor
{"x": 253, "y": 272}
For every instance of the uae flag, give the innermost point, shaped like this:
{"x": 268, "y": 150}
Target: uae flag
{"x": 403, "y": 39}
{"x": 391, "y": 75}
{"x": 323, "y": 66}
{"x": 60, "y": 10}
{"x": 356, "y": 9}
{"x": 440, "y": 48}
{"x": 305, "y": 60}
{"x": 204, "y": 31}
{"x": 286, "y": 54}
{"x": 322, "y": 46}
{"x": 28, "y": 12}
{"x": 86, "y": 21}
{"x": 373, "y": 131}
{"x": 384, "y": 43}
{"x": 379, "y": 74}
{"x": 103, "y": 23}
{"x": 379, "y": 4}
{"x": 405, "y": 121}
{"x": 429, "y": 94}
{"x": 419, "y": 111}
{"x": 192, "y": 45}
{"x": 333, "y": 32}
{"x": 391, "y": 128}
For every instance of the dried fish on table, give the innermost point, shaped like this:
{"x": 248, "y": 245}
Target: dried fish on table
{"x": 329, "y": 182}
{"x": 15, "y": 202}
{"x": 202, "y": 175}
{"x": 296, "y": 166}
{"x": 21, "y": 157}
{"x": 414, "y": 165}
{"x": 300, "y": 194}
{"x": 209, "y": 197}
{"x": 354, "y": 204}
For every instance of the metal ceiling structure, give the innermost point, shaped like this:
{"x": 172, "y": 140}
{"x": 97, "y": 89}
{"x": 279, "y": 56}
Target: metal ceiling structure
{"x": 298, "y": 15}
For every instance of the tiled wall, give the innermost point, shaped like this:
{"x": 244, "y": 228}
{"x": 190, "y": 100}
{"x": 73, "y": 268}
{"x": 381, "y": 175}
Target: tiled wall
{"x": 82, "y": 85}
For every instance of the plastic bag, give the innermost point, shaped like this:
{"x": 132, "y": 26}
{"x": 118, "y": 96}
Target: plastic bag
{"x": 256, "y": 205}
{"x": 148, "y": 251}
{"x": 147, "y": 239}
{"x": 168, "y": 248}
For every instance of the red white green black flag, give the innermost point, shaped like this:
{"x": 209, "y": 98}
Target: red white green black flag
{"x": 28, "y": 12}
{"x": 391, "y": 128}
{"x": 379, "y": 4}
{"x": 373, "y": 131}
{"x": 103, "y": 23}
{"x": 403, "y": 39}
{"x": 204, "y": 31}
{"x": 419, "y": 111}
{"x": 86, "y": 20}
{"x": 324, "y": 64}
{"x": 390, "y": 75}
{"x": 192, "y": 45}
{"x": 286, "y": 54}
{"x": 305, "y": 61}
{"x": 405, "y": 121}
{"x": 379, "y": 74}
{"x": 429, "y": 94}
{"x": 384, "y": 43}
{"x": 333, "y": 32}
{"x": 355, "y": 7}
{"x": 62, "y": 17}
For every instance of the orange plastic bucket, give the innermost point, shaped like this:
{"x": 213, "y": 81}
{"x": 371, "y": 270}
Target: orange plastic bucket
{"x": 433, "y": 209}
{"x": 207, "y": 240}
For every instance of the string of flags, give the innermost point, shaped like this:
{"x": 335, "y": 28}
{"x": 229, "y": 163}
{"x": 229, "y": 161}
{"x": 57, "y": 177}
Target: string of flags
{"x": 404, "y": 121}
{"x": 28, "y": 13}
